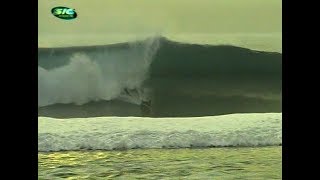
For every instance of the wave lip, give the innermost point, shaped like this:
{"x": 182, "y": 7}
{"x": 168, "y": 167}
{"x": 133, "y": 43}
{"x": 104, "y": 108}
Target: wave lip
{"x": 119, "y": 133}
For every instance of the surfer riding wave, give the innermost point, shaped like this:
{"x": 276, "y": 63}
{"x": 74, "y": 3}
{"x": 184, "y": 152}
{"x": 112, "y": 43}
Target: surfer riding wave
{"x": 138, "y": 96}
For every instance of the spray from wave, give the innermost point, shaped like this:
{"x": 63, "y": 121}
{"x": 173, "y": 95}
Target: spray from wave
{"x": 98, "y": 76}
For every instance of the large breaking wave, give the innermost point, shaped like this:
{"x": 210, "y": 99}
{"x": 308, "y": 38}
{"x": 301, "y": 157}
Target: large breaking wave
{"x": 176, "y": 79}
{"x": 120, "y": 133}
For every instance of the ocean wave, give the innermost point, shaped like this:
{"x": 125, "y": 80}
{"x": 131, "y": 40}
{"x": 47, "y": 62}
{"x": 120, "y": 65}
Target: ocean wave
{"x": 177, "y": 79}
{"x": 120, "y": 133}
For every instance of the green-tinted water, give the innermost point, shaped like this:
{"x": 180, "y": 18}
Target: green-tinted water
{"x": 213, "y": 163}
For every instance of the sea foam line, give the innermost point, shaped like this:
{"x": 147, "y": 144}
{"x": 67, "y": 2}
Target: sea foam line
{"x": 116, "y": 133}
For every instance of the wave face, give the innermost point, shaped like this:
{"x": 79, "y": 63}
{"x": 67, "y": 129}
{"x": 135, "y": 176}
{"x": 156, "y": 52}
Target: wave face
{"x": 120, "y": 133}
{"x": 176, "y": 79}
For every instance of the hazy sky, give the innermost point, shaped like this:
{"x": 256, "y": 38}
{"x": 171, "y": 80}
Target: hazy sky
{"x": 167, "y": 17}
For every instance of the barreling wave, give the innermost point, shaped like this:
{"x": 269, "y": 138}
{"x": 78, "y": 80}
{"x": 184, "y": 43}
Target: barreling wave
{"x": 175, "y": 79}
{"x": 121, "y": 133}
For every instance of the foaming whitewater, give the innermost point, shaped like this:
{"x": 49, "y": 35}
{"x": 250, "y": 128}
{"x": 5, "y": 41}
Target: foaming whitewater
{"x": 119, "y": 133}
{"x": 98, "y": 76}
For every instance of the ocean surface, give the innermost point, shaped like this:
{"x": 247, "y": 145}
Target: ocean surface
{"x": 209, "y": 163}
{"x": 159, "y": 109}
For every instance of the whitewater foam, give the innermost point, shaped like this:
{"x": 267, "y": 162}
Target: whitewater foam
{"x": 115, "y": 133}
{"x": 97, "y": 76}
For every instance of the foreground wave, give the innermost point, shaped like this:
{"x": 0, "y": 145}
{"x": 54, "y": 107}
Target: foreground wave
{"x": 119, "y": 133}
